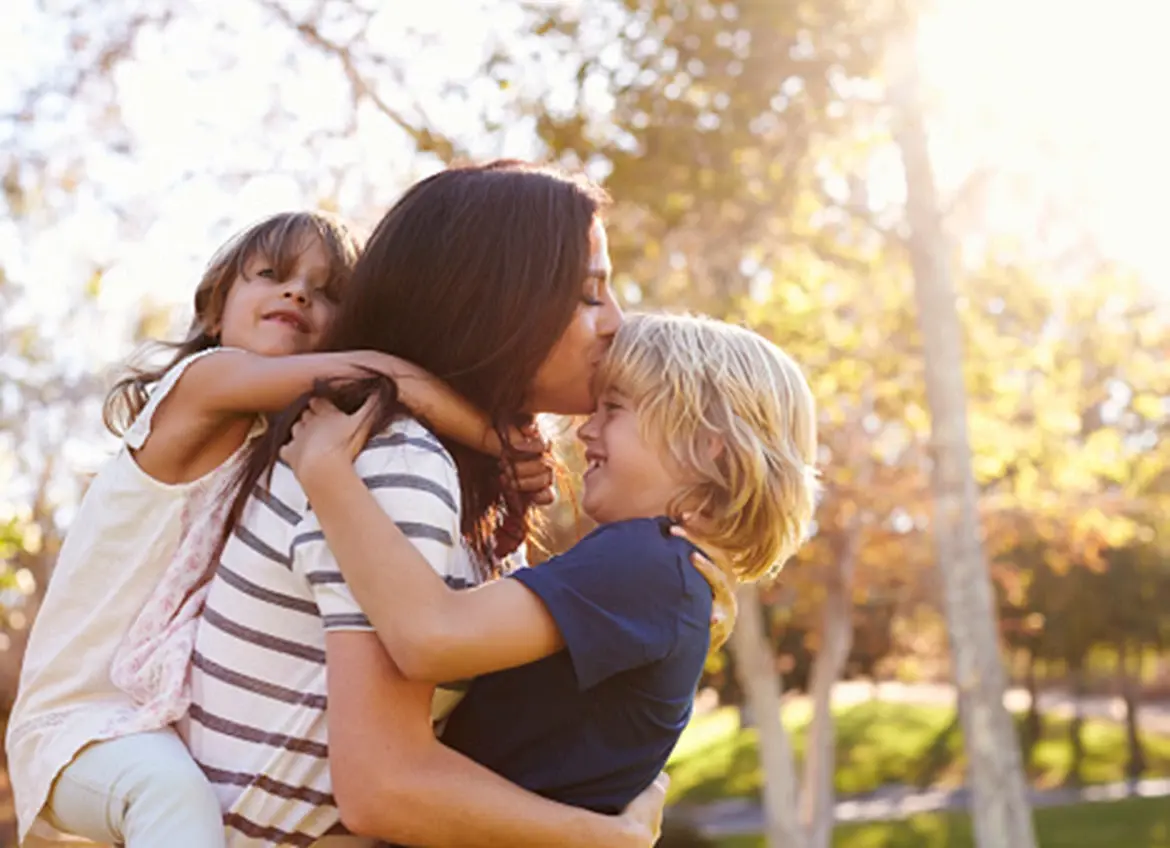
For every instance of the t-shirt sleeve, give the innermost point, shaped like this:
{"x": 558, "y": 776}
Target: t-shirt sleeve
{"x": 414, "y": 480}
{"x": 615, "y": 597}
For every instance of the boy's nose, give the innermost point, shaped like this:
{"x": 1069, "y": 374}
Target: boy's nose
{"x": 588, "y": 430}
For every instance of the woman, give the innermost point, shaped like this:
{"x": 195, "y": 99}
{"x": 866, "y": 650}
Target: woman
{"x": 496, "y": 279}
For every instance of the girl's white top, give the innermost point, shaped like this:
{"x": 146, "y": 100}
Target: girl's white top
{"x": 109, "y": 651}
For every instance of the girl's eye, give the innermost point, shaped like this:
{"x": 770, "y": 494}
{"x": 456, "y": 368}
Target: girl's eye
{"x": 611, "y": 406}
{"x": 267, "y": 273}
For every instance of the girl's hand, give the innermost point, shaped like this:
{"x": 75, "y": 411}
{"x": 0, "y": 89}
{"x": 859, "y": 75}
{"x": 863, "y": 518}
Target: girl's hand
{"x": 724, "y": 607}
{"x": 527, "y": 477}
{"x": 324, "y": 438}
{"x": 642, "y": 819}
{"x": 529, "y": 474}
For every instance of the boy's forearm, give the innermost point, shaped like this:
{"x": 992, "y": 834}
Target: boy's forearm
{"x": 390, "y": 579}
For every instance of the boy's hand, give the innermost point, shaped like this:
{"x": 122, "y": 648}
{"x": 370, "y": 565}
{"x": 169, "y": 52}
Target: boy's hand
{"x": 724, "y": 607}
{"x": 642, "y": 819}
{"x": 324, "y": 437}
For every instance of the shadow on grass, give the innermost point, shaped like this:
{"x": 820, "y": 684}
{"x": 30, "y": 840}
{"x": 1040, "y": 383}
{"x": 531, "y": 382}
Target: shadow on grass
{"x": 1132, "y": 823}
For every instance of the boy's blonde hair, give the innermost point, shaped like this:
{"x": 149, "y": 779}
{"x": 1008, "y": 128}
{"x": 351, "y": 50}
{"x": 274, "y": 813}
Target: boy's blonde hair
{"x": 735, "y": 414}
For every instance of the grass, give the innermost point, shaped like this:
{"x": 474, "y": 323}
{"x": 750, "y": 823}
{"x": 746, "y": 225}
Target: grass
{"x": 882, "y": 743}
{"x": 1133, "y": 823}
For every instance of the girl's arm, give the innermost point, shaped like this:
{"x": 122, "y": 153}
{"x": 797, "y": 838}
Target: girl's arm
{"x": 234, "y": 382}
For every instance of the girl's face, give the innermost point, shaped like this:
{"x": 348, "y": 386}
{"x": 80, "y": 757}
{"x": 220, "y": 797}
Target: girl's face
{"x": 627, "y": 477}
{"x": 279, "y": 317}
{"x": 564, "y": 381}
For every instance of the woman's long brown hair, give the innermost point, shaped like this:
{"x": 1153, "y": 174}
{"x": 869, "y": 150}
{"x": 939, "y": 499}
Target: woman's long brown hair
{"x": 474, "y": 275}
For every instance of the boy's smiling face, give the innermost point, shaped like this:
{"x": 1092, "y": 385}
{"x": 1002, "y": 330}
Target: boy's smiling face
{"x": 627, "y": 477}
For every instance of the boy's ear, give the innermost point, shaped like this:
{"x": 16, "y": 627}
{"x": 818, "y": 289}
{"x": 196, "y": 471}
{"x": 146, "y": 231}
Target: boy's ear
{"x": 713, "y": 445}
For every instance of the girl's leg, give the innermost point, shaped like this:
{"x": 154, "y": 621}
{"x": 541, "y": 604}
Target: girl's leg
{"x": 141, "y": 791}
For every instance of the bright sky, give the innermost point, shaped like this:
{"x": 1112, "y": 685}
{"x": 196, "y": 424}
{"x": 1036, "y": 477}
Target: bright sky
{"x": 1067, "y": 93}
{"x": 1062, "y": 92}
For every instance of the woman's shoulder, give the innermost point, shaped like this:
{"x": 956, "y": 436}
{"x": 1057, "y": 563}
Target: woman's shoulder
{"x": 407, "y": 445}
{"x": 412, "y": 436}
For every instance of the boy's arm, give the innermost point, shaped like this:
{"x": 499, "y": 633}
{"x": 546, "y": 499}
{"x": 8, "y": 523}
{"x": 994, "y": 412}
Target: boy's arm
{"x": 611, "y": 600}
{"x": 431, "y": 795}
{"x": 433, "y": 632}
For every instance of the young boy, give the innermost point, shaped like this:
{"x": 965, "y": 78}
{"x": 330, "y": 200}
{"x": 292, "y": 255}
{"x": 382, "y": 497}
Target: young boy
{"x": 587, "y": 664}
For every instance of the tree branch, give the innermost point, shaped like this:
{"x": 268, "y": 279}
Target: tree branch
{"x": 424, "y": 138}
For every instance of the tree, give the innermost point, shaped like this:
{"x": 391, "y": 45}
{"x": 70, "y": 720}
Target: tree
{"x": 1000, "y": 807}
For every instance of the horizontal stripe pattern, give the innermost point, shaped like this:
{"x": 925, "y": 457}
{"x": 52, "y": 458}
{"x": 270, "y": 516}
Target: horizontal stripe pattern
{"x": 257, "y": 723}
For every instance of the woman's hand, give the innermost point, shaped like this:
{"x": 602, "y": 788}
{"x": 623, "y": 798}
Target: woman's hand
{"x": 325, "y": 438}
{"x": 642, "y": 819}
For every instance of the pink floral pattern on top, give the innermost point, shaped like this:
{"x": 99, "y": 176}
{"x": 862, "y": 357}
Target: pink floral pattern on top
{"x": 152, "y": 665}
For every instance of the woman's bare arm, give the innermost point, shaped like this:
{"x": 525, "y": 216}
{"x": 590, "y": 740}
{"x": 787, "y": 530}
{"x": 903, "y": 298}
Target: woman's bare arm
{"x": 394, "y": 780}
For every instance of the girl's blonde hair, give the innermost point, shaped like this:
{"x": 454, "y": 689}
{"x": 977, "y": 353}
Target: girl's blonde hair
{"x": 280, "y": 238}
{"x": 736, "y": 416}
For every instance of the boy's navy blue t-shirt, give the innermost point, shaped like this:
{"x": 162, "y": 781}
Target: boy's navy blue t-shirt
{"x": 593, "y": 725}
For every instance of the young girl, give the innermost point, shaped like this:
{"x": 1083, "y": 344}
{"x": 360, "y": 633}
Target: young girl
{"x": 90, "y": 743}
{"x": 587, "y": 665}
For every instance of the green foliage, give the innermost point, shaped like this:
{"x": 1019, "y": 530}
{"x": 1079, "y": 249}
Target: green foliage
{"x": 884, "y": 743}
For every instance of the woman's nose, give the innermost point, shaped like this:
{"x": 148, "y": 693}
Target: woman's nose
{"x": 611, "y": 318}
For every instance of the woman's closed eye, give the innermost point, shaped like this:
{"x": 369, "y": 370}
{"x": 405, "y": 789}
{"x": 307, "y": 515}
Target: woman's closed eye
{"x": 592, "y": 294}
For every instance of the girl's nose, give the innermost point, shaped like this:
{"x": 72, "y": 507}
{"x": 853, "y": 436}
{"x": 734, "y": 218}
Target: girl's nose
{"x": 296, "y": 290}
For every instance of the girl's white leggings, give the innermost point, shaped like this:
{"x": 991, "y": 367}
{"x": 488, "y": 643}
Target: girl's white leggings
{"x": 141, "y": 791}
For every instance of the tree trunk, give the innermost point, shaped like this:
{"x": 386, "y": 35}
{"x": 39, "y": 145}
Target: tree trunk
{"x": 818, "y": 795}
{"x": 1033, "y": 722}
{"x": 761, "y": 684}
{"x": 1135, "y": 765}
{"x": 999, "y": 802}
{"x": 1076, "y": 679}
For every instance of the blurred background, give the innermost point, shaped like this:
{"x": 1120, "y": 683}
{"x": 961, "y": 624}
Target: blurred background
{"x": 759, "y": 174}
